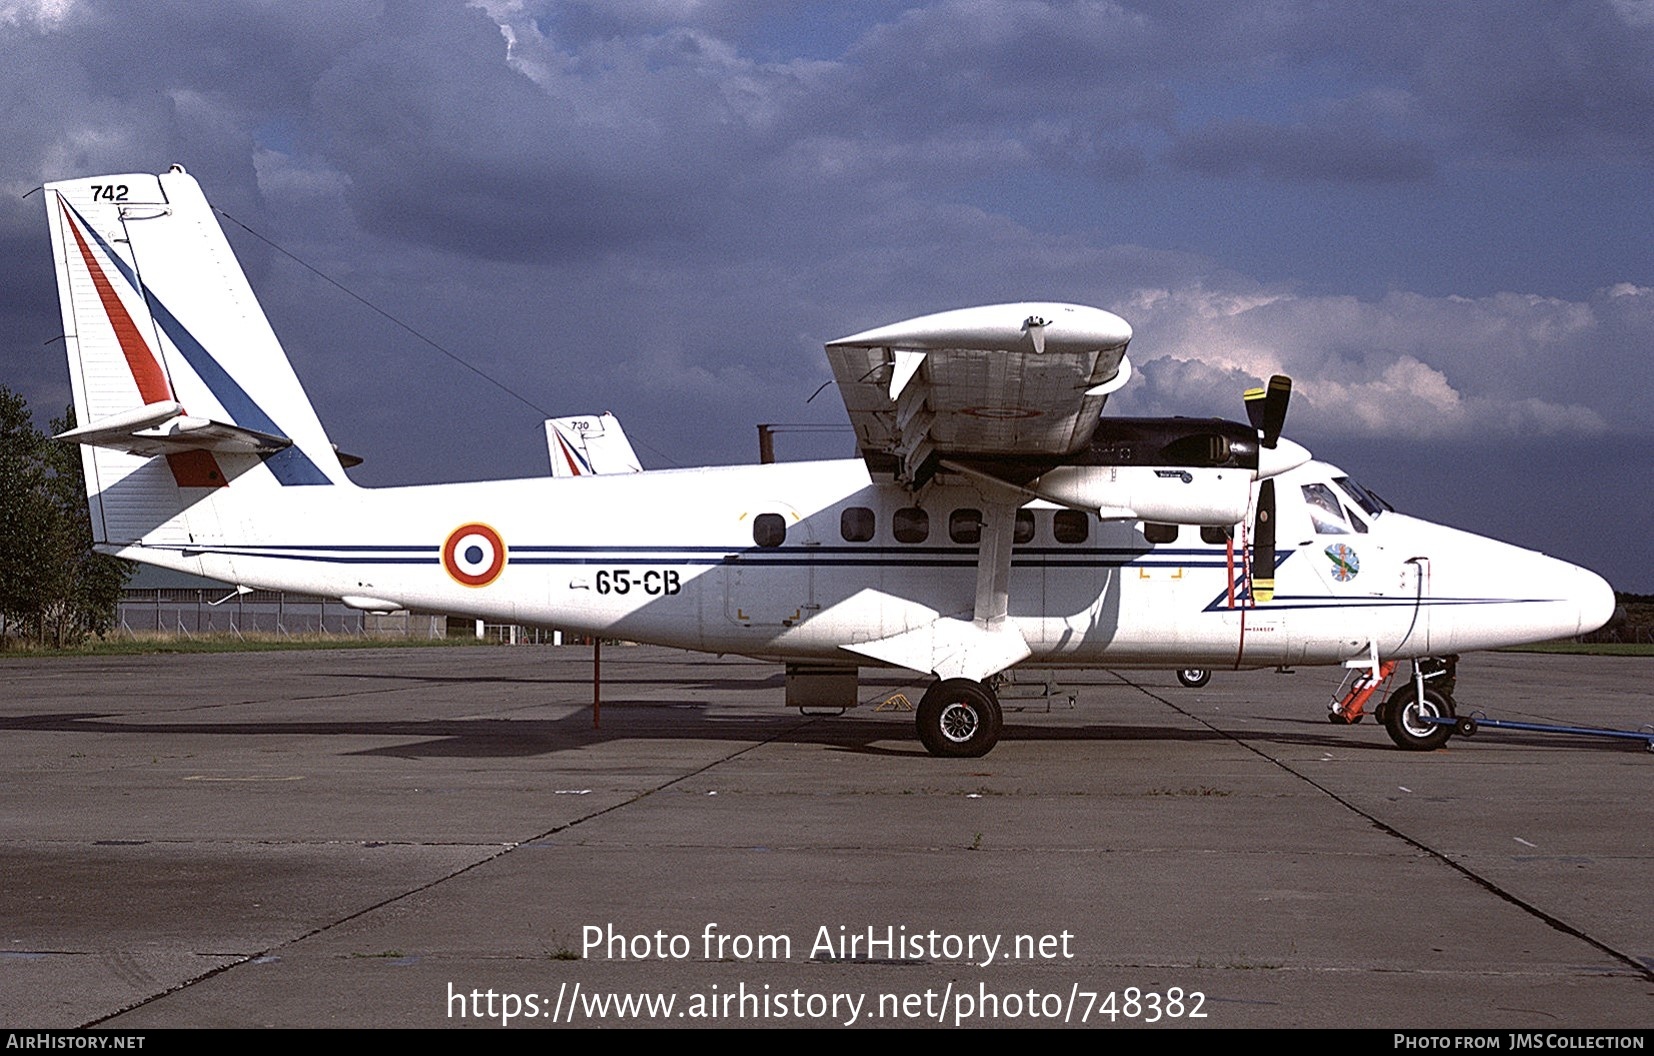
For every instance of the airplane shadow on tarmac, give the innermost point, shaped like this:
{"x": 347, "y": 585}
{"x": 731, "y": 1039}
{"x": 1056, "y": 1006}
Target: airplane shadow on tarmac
{"x": 634, "y": 720}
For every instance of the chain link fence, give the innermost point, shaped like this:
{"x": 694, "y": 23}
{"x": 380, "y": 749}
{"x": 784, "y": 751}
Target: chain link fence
{"x": 189, "y": 611}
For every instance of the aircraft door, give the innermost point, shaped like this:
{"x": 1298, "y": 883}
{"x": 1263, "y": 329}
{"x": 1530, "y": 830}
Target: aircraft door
{"x": 770, "y": 582}
{"x": 1067, "y": 595}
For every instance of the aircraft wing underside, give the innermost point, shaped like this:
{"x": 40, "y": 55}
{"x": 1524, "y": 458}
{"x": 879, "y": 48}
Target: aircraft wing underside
{"x": 1010, "y": 379}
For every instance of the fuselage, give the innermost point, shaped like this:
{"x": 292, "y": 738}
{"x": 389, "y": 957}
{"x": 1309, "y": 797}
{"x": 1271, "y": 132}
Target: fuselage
{"x": 800, "y": 560}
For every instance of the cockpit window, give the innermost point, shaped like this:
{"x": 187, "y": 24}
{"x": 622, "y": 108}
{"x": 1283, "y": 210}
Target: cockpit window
{"x": 1364, "y": 498}
{"x": 1325, "y": 510}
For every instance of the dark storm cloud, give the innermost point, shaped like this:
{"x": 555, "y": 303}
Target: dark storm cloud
{"x": 446, "y": 143}
{"x": 1245, "y": 147}
{"x": 1529, "y": 78}
{"x": 975, "y": 61}
{"x": 663, "y": 207}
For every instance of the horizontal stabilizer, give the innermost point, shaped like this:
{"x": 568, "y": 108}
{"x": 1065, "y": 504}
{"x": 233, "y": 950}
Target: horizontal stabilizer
{"x": 951, "y": 648}
{"x": 161, "y": 428}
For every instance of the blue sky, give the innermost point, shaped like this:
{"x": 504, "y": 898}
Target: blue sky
{"x": 1437, "y": 218}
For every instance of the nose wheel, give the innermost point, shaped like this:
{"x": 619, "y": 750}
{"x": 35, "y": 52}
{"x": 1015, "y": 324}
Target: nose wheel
{"x": 959, "y": 718}
{"x": 1194, "y": 677}
{"x": 1406, "y": 719}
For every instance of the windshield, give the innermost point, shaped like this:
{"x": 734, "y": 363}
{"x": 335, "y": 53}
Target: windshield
{"x": 1364, "y": 497}
{"x": 1324, "y": 510}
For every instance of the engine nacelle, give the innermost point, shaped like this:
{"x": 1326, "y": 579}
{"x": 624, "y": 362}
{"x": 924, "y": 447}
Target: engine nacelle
{"x": 1169, "y": 470}
{"x": 1166, "y": 494}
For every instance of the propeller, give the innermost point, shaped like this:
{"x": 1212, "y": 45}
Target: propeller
{"x": 1263, "y": 544}
{"x": 1266, "y": 410}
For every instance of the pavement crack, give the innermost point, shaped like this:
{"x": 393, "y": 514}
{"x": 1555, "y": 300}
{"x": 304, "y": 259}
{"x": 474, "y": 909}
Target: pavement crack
{"x": 1491, "y": 887}
{"x": 499, "y": 853}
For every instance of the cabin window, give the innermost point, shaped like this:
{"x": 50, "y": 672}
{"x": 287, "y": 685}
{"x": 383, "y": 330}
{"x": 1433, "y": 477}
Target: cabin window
{"x": 965, "y": 526}
{"x": 910, "y": 525}
{"x": 1325, "y": 511}
{"x": 1159, "y": 533}
{"x": 1216, "y": 534}
{"x": 1070, "y": 526}
{"x": 1024, "y": 530}
{"x": 1357, "y": 523}
{"x": 856, "y": 524}
{"x": 769, "y": 529}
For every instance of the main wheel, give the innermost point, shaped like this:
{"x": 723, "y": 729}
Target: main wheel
{"x": 1404, "y": 719}
{"x": 1194, "y": 677}
{"x": 959, "y": 719}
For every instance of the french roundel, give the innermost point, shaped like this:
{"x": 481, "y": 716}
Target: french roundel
{"x": 474, "y": 555}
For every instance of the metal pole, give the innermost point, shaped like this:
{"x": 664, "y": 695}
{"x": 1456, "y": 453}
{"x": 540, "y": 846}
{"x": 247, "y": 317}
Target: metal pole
{"x": 597, "y": 681}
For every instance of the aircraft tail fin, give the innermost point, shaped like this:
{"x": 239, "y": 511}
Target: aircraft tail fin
{"x": 588, "y": 445}
{"x": 180, "y": 385}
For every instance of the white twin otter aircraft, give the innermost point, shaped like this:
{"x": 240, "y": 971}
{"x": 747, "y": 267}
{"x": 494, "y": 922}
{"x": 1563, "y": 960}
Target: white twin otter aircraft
{"x": 994, "y": 517}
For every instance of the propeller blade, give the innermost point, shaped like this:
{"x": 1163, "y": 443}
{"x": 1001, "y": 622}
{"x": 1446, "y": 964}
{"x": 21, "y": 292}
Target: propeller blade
{"x": 1254, "y": 406}
{"x": 1263, "y": 544}
{"x": 1266, "y": 407}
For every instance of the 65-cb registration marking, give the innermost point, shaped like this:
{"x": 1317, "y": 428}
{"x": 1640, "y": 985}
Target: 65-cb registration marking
{"x": 656, "y": 581}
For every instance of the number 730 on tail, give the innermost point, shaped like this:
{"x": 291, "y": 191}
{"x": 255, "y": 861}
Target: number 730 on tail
{"x": 996, "y": 515}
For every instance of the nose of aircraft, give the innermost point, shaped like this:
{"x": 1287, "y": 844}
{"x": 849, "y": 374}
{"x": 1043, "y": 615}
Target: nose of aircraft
{"x": 1593, "y": 598}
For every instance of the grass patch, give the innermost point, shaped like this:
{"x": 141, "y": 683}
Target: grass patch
{"x": 1586, "y": 648}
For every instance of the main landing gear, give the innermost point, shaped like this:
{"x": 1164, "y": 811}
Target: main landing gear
{"x": 959, "y": 718}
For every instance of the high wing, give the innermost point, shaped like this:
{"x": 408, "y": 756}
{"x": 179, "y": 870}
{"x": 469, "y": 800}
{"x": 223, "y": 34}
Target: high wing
{"x": 1027, "y": 379}
{"x": 1019, "y": 381}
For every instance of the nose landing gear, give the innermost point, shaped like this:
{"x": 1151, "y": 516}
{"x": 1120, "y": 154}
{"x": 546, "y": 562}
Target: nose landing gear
{"x": 1407, "y": 719}
{"x": 1409, "y": 713}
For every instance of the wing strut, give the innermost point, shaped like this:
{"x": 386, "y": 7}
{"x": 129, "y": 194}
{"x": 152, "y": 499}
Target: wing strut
{"x": 993, "y": 566}
{"x": 984, "y": 645}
